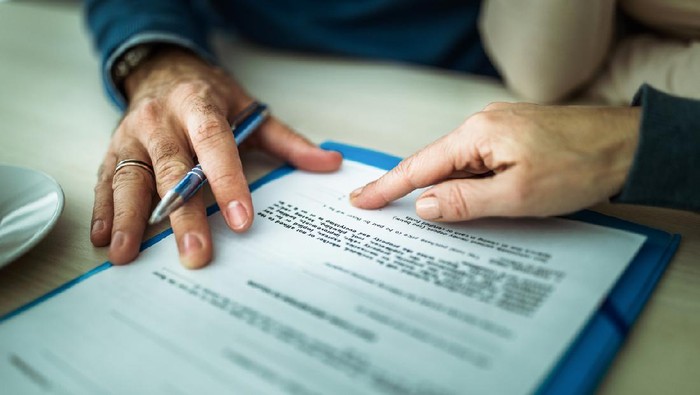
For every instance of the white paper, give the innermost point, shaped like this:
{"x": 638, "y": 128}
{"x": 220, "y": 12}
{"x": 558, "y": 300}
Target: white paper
{"x": 323, "y": 298}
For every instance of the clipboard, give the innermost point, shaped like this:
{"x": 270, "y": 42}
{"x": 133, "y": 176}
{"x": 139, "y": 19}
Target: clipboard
{"x": 583, "y": 365}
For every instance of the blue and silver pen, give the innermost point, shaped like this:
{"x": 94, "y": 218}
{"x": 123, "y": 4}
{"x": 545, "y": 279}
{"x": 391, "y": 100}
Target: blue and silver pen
{"x": 245, "y": 123}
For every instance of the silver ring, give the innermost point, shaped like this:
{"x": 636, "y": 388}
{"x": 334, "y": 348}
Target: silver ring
{"x": 137, "y": 163}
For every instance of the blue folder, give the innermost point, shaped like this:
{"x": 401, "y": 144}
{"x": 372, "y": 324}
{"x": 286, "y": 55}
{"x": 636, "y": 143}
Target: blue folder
{"x": 580, "y": 369}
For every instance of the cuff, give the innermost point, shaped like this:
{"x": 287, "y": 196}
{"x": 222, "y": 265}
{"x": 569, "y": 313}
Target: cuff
{"x": 666, "y": 167}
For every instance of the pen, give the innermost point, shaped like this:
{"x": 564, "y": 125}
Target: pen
{"x": 242, "y": 126}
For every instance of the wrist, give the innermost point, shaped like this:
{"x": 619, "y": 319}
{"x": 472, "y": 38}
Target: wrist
{"x": 628, "y": 126}
{"x": 161, "y": 59}
{"x": 129, "y": 61}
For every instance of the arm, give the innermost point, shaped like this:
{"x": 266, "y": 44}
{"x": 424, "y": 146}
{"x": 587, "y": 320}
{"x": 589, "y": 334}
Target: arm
{"x": 514, "y": 160}
{"x": 546, "y": 49}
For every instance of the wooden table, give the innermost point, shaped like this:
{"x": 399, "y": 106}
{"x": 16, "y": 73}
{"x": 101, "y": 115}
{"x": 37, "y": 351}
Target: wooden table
{"x": 55, "y": 118}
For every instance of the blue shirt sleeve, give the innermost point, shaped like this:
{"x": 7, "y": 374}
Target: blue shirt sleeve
{"x": 666, "y": 167}
{"x": 117, "y": 25}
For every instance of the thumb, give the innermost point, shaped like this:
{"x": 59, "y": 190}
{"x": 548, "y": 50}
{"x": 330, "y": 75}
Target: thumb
{"x": 279, "y": 140}
{"x": 466, "y": 199}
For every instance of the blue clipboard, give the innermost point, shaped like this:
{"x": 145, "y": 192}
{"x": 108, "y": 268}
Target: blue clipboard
{"x": 580, "y": 369}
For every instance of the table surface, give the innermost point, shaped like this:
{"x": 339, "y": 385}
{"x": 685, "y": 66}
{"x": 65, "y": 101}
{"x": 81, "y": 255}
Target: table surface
{"x": 56, "y": 119}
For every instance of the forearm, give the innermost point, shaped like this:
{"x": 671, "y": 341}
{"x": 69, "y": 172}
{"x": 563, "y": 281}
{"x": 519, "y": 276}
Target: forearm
{"x": 117, "y": 25}
{"x": 666, "y": 167}
{"x": 546, "y": 49}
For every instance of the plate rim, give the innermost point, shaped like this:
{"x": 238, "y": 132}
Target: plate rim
{"x": 48, "y": 225}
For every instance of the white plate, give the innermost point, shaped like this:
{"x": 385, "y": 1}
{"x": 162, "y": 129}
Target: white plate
{"x": 30, "y": 204}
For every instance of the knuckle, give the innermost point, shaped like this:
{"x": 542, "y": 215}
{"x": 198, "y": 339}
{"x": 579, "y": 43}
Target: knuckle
{"x": 104, "y": 175}
{"x": 226, "y": 179}
{"x": 206, "y": 108}
{"x": 149, "y": 109}
{"x": 187, "y": 216}
{"x": 190, "y": 88}
{"x": 497, "y": 105}
{"x": 129, "y": 213}
{"x": 401, "y": 176}
{"x": 405, "y": 170}
{"x": 170, "y": 172}
{"x": 457, "y": 202}
{"x": 482, "y": 120}
{"x": 121, "y": 128}
{"x": 99, "y": 189}
{"x": 101, "y": 205}
{"x": 163, "y": 150}
{"x": 209, "y": 131}
{"x": 129, "y": 176}
{"x": 198, "y": 96}
{"x": 481, "y": 129}
{"x": 130, "y": 150}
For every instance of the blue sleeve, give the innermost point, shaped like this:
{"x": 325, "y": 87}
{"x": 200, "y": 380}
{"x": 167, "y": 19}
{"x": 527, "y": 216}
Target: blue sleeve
{"x": 666, "y": 167}
{"x": 117, "y": 25}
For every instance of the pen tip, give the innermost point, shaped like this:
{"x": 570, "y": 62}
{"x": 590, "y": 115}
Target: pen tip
{"x": 170, "y": 202}
{"x": 156, "y": 217}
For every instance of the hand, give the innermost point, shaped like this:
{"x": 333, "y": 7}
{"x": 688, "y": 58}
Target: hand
{"x": 513, "y": 160}
{"x": 179, "y": 107}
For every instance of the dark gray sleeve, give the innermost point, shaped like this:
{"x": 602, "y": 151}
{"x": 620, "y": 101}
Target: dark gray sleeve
{"x": 666, "y": 167}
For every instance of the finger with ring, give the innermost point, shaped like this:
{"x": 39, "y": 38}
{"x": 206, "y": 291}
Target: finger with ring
{"x": 133, "y": 188}
{"x": 134, "y": 162}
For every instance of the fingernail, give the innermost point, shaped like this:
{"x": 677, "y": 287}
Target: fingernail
{"x": 116, "y": 244}
{"x": 118, "y": 240}
{"x": 428, "y": 208}
{"x": 191, "y": 246}
{"x": 237, "y": 215}
{"x": 356, "y": 193}
{"x": 97, "y": 226}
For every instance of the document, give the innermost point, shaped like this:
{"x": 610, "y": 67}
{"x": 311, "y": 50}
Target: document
{"x": 322, "y": 298}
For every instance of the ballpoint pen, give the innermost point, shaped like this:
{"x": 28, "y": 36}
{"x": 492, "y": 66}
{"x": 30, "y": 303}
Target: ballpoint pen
{"x": 242, "y": 126}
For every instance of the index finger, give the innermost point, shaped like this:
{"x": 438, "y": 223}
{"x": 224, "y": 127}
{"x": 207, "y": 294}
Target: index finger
{"x": 426, "y": 167}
